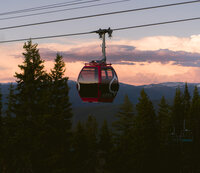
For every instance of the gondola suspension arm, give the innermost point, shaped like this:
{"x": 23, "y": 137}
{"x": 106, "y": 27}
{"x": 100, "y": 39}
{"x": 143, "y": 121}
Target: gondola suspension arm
{"x": 102, "y": 33}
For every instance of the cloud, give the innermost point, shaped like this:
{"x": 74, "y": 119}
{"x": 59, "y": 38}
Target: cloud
{"x": 8, "y": 63}
{"x": 123, "y": 54}
{"x": 188, "y": 44}
{"x": 164, "y": 49}
{"x": 148, "y": 60}
{"x": 2, "y": 37}
{"x": 141, "y": 77}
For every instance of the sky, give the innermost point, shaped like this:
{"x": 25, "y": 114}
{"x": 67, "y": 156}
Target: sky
{"x": 165, "y": 53}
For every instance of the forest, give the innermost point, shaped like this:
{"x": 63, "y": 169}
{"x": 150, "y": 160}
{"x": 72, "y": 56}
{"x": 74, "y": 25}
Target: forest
{"x": 36, "y": 133}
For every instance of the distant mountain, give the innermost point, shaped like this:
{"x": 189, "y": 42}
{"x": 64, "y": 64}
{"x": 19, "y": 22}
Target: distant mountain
{"x": 154, "y": 91}
{"x": 107, "y": 110}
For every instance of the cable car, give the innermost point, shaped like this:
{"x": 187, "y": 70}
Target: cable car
{"x": 98, "y": 81}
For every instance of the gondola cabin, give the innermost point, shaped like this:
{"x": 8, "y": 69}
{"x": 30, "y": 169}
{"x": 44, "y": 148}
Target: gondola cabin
{"x": 97, "y": 82}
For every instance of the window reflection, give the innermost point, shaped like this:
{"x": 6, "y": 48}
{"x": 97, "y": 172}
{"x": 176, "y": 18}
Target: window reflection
{"x": 89, "y": 75}
{"x": 106, "y": 74}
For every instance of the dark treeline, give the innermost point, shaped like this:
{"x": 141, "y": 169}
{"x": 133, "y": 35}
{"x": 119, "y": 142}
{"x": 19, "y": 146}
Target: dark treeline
{"x": 36, "y": 133}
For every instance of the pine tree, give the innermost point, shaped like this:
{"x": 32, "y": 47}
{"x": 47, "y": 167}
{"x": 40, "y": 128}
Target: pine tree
{"x": 1, "y": 112}
{"x": 80, "y": 149}
{"x": 9, "y": 133}
{"x": 91, "y": 127}
{"x": 1, "y": 104}
{"x": 11, "y": 101}
{"x": 186, "y": 104}
{"x": 195, "y": 123}
{"x": 178, "y": 113}
{"x": 164, "y": 136}
{"x": 55, "y": 132}
{"x": 85, "y": 151}
{"x": 30, "y": 81}
{"x": 105, "y": 141}
{"x": 195, "y": 115}
{"x": 146, "y": 141}
{"x": 125, "y": 117}
{"x": 1, "y": 134}
{"x": 105, "y": 146}
{"x": 59, "y": 101}
{"x": 123, "y": 137}
{"x": 164, "y": 121}
{"x": 28, "y": 108}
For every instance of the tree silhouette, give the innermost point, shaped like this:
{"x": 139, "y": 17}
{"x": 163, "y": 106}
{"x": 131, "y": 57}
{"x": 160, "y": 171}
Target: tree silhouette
{"x": 56, "y": 127}
{"x": 195, "y": 123}
{"x": 125, "y": 117}
{"x": 164, "y": 123}
{"x": 123, "y": 126}
{"x": 178, "y": 113}
{"x": 28, "y": 108}
{"x": 80, "y": 149}
{"x": 105, "y": 146}
{"x": 1, "y": 133}
{"x": 146, "y": 135}
{"x": 186, "y": 104}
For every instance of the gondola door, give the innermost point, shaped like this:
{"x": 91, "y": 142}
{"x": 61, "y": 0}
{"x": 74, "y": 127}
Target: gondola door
{"x": 88, "y": 84}
{"x": 109, "y": 84}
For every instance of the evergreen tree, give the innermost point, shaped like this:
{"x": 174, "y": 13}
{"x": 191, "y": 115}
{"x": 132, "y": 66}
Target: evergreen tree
{"x": 146, "y": 143}
{"x": 186, "y": 104}
{"x": 28, "y": 108}
{"x": 105, "y": 141}
{"x": 91, "y": 134}
{"x": 11, "y": 101}
{"x": 59, "y": 101}
{"x": 9, "y": 132}
{"x": 56, "y": 127}
{"x": 125, "y": 117}
{"x": 105, "y": 147}
{"x": 122, "y": 154}
{"x": 195, "y": 123}
{"x": 164, "y": 122}
{"x": 80, "y": 149}
{"x": 195, "y": 114}
{"x": 85, "y": 151}
{"x": 165, "y": 153}
{"x": 1, "y": 134}
{"x": 30, "y": 82}
{"x": 1, "y": 105}
{"x": 178, "y": 113}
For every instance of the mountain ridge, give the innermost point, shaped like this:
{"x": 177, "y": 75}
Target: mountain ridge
{"x": 107, "y": 111}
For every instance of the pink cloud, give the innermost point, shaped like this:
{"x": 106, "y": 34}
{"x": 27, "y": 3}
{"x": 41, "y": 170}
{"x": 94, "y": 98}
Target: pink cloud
{"x": 120, "y": 54}
{"x": 137, "y": 62}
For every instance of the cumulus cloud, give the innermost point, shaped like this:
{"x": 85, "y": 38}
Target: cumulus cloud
{"x": 141, "y": 77}
{"x": 163, "y": 49}
{"x": 124, "y": 54}
{"x": 188, "y": 44}
{"x": 147, "y": 60}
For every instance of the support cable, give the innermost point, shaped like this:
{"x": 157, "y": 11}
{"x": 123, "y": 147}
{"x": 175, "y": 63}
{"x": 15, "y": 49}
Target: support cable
{"x": 57, "y": 5}
{"x": 91, "y": 32}
{"x": 61, "y": 10}
{"x": 98, "y": 15}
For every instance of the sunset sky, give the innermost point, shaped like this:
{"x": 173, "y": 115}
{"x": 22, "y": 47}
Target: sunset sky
{"x": 165, "y": 53}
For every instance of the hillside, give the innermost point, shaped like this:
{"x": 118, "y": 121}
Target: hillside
{"x": 107, "y": 110}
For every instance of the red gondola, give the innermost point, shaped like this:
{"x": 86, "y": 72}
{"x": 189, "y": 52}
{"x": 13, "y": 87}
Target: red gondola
{"x": 97, "y": 81}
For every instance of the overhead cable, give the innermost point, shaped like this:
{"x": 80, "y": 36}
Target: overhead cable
{"x": 70, "y": 3}
{"x": 98, "y": 15}
{"x": 91, "y": 32}
{"x": 67, "y": 9}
